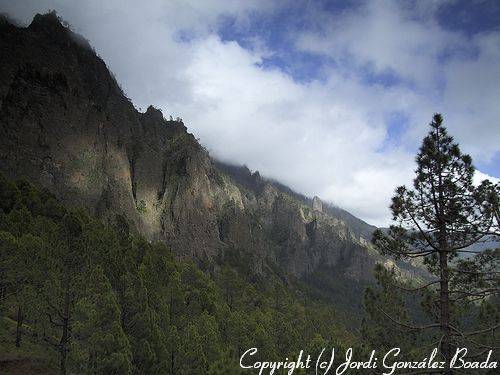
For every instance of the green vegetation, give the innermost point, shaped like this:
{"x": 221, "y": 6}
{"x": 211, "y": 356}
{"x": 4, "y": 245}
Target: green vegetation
{"x": 141, "y": 207}
{"x": 77, "y": 296}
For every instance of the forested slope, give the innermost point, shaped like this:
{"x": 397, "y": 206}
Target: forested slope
{"x": 108, "y": 301}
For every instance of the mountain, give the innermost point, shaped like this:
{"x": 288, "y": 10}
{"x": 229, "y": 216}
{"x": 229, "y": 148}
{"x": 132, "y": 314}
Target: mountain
{"x": 279, "y": 268}
{"x": 67, "y": 126}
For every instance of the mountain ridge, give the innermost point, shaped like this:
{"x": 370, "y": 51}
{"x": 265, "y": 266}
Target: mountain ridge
{"x": 243, "y": 174}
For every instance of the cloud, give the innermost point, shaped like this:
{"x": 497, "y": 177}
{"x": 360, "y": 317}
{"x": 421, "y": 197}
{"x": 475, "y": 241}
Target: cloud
{"x": 480, "y": 177}
{"x": 320, "y": 138}
{"x": 329, "y": 137}
{"x": 382, "y": 37}
{"x": 472, "y": 94}
{"x": 445, "y": 71}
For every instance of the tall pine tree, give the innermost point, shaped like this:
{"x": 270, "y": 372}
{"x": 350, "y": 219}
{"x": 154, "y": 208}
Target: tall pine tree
{"x": 438, "y": 220}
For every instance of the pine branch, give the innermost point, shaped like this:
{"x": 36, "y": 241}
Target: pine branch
{"x": 53, "y": 322}
{"x": 422, "y": 232}
{"x": 478, "y": 332}
{"x": 408, "y": 326}
{"x": 417, "y": 288}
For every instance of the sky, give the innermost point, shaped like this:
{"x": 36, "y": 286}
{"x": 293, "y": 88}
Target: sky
{"x": 331, "y": 98}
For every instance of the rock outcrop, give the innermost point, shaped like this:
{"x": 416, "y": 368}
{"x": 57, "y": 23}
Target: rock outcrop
{"x": 317, "y": 205}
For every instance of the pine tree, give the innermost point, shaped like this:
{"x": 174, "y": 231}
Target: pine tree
{"x": 23, "y": 273}
{"x": 385, "y": 305}
{"x": 208, "y": 329}
{"x": 173, "y": 350}
{"x": 440, "y": 218}
{"x": 102, "y": 343}
{"x": 8, "y": 250}
{"x": 63, "y": 268}
{"x": 192, "y": 355}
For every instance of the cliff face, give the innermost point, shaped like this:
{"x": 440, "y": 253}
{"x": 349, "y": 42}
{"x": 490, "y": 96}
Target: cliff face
{"x": 67, "y": 125}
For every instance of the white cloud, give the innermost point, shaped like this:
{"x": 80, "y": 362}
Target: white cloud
{"x": 480, "y": 177}
{"x": 321, "y": 138}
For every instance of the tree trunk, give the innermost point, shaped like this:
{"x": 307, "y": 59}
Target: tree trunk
{"x": 172, "y": 361}
{"x": 444, "y": 299}
{"x": 63, "y": 345}
{"x": 444, "y": 291}
{"x": 19, "y": 326}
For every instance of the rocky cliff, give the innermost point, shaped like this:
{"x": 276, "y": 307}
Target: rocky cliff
{"x": 67, "y": 125}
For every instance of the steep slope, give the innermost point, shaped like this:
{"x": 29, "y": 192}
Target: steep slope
{"x": 67, "y": 125}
